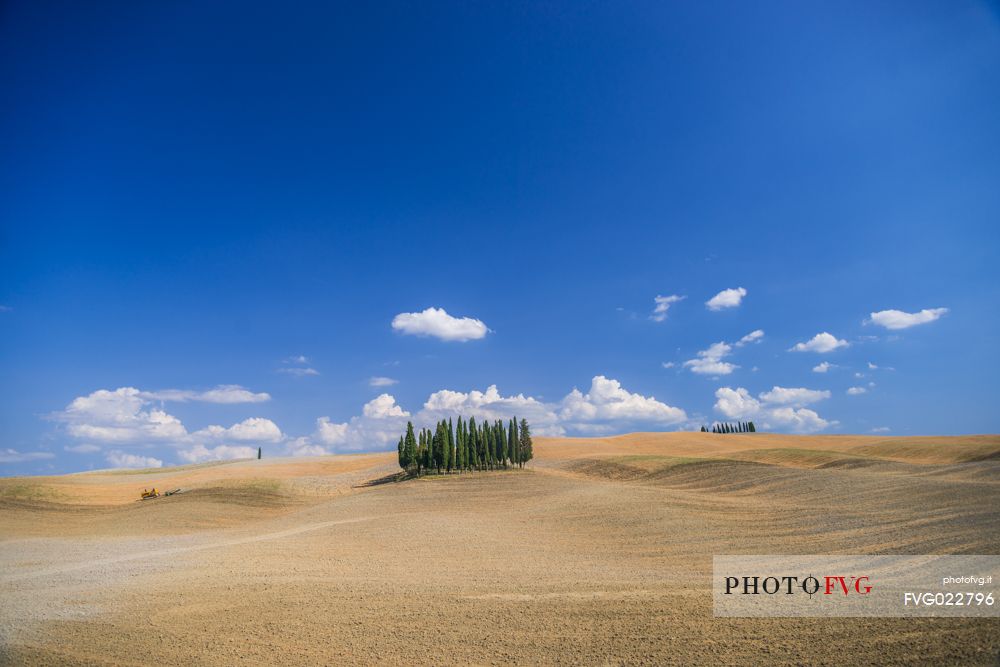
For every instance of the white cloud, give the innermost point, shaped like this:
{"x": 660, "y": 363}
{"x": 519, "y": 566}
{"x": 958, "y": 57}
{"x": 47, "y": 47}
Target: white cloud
{"x": 297, "y": 359}
{"x": 491, "y": 405}
{"x": 881, "y": 429}
{"x": 82, "y": 449}
{"x": 753, "y": 337}
{"x": 298, "y": 371}
{"x": 331, "y": 433}
{"x": 727, "y": 298}
{"x": 439, "y": 324}
{"x": 224, "y": 393}
{"x": 709, "y": 362}
{"x": 856, "y": 391}
{"x": 663, "y": 305}
{"x": 898, "y": 319}
{"x": 668, "y": 364}
{"x": 381, "y": 422}
{"x": 795, "y": 396}
{"x": 255, "y": 429}
{"x": 119, "y": 416}
{"x": 736, "y": 403}
{"x": 771, "y": 409}
{"x": 822, "y": 367}
{"x": 607, "y": 400}
{"x": 125, "y": 416}
{"x": 14, "y": 456}
{"x": 801, "y": 420}
{"x": 872, "y": 366}
{"x": 821, "y": 342}
{"x": 200, "y": 453}
{"x": 379, "y": 381}
{"x": 119, "y": 459}
{"x": 383, "y": 407}
{"x": 606, "y": 408}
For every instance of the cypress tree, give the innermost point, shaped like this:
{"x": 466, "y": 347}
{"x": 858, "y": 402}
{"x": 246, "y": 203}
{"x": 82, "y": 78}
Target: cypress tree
{"x": 451, "y": 445}
{"x": 753, "y": 429}
{"x": 525, "y": 448}
{"x": 402, "y": 462}
{"x": 501, "y": 444}
{"x": 513, "y": 444}
{"x": 409, "y": 447}
{"x": 473, "y": 444}
{"x": 259, "y": 450}
{"x": 429, "y": 449}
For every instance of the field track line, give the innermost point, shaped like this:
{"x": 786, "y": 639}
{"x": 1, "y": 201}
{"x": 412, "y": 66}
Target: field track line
{"x": 171, "y": 551}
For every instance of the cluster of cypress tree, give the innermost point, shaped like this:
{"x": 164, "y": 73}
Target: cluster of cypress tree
{"x": 738, "y": 427}
{"x": 465, "y": 446}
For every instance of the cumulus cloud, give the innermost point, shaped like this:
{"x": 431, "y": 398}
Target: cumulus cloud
{"x": 822, "y": 367}
{"x": 607, "y": 400}
{"x": 710, "y": 361}
{"x": 663, "y": 305}
{"x": 796, "y": 396}
{"x": 254, "y": 429}
{"x": 856, "y": 391}
{"x": 119, "y": 416}
{"x": 14, "y": 456}
{"x": 383, "y": 407}
{"x": 119, "y": 459}
{"x": 821, "y": 342}
{"x": 753, "y": 337}
{"x": 775, "y": 409}
{"x": 126, "y": 417}
{"x": 329, "y": 432}
{"x": 606, "y": 407}
{"x": 727, "y": 298}
{"x": 224, "y": 393}
{"x": 201, "y": 453}
{"x": 379, "y": 381}
{"x": 439, "y": 324}
{"x": 381, "y": 422}
{"x": 491, "y": 405}
{"x": 898, "y": 319}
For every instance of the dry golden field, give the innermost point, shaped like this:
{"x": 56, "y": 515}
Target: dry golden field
{"x": 599, "y": 552}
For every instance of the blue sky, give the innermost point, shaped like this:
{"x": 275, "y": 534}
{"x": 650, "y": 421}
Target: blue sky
{"x": 212, "y": 215}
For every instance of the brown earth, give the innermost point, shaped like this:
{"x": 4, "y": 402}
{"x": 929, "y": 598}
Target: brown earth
{"x": 600, "y": 552}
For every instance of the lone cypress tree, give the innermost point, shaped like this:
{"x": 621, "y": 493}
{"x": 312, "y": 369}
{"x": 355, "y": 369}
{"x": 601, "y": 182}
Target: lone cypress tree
{"x": 525, "y": 445}
{"x": 258, "y": 453}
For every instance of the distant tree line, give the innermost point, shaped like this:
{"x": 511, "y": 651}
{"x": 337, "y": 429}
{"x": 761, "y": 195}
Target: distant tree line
{"x": 465, "y": 446}
{"x": 738, "y": 427}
